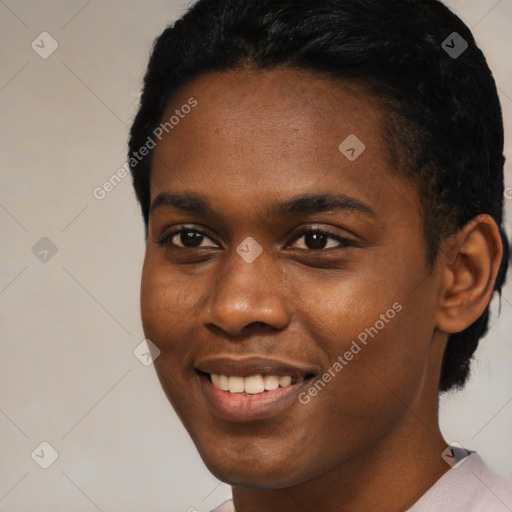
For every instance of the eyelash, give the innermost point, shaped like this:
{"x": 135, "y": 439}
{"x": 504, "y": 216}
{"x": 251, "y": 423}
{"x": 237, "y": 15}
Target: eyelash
{"x": 165, "y": 240}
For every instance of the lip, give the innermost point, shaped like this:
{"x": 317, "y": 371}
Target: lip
{"x": 235, "y": 407}
{"x": 244, "y": 367}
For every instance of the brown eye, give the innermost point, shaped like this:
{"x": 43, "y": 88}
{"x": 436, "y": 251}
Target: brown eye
{"x": 316, "y": 240}
{"x": 186, "y": 238}
{"x": 189, "y": 238}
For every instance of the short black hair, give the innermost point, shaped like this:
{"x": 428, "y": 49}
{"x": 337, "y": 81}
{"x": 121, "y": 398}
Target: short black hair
{"x": 443, "y": 124}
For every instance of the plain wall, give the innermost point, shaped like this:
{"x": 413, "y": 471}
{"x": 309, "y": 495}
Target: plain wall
{"x": 68, "y": 375}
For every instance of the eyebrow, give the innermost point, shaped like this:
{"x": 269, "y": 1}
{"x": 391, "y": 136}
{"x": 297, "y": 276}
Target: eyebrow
{"x": 305, "y": 203}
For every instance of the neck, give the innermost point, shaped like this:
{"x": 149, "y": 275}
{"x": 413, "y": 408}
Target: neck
{"x": 389, "y": 475}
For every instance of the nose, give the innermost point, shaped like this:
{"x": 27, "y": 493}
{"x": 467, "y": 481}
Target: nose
{"x": 248, "y": 297}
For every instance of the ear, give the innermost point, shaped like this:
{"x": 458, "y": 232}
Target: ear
{"x": 469, "y": 265}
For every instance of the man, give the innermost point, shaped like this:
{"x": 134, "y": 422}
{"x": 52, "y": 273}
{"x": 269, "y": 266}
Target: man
{"x": 323, "y": 199}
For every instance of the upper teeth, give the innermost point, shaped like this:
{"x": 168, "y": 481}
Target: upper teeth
{"x": 253, "y": 384}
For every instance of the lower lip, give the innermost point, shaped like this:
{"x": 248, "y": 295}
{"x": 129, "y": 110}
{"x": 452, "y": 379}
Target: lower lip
{"x": 245, "y": 407}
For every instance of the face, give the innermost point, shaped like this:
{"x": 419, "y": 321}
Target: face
{"x": 285, "y": 280}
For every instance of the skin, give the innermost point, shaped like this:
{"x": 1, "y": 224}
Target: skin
{"x": 370, "y": 439}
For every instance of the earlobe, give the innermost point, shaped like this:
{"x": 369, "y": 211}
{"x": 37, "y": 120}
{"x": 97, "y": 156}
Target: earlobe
{"x": 469, "y": 273}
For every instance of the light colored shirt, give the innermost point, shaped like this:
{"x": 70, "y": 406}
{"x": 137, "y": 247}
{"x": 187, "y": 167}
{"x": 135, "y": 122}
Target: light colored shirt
{"x": 469, "y": 487}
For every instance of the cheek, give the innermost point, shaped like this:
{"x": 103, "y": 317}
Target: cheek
{"x": 385, "y": 360}
{"x": 164, "y": 321}
{"x": 368, "y": 392}
{"x": 163, "y": 308}
{"x": 156, "y": 309}
{"x": 391, "y": 361}
{"x": 382, "y": 332}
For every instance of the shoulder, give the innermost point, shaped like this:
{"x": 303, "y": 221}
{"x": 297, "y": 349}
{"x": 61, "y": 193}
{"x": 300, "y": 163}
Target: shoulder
{"x": 469, "y": 487}
{"x": 227, "y": 506}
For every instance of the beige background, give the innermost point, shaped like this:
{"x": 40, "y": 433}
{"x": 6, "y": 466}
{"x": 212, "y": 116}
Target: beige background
{"x": 69, "y": 326}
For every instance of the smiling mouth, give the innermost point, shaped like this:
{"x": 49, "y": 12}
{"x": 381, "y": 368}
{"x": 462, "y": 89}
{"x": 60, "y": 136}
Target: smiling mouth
{"x": 252, "y": 384}
{"x": 251, "y": 388}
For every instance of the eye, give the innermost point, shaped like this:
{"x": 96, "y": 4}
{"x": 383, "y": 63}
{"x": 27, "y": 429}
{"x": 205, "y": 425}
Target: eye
{"x": 318, "y": 239}
{"x": 186, "y": 238}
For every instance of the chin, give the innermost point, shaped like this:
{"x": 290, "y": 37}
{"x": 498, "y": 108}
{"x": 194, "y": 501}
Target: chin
{"x": 253, "y": 467}
{"x": 254, "y": 477}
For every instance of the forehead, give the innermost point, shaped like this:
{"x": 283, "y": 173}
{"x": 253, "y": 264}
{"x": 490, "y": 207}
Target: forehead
{"x": 278, "y": 131}
{"x": 286, "y": 104}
